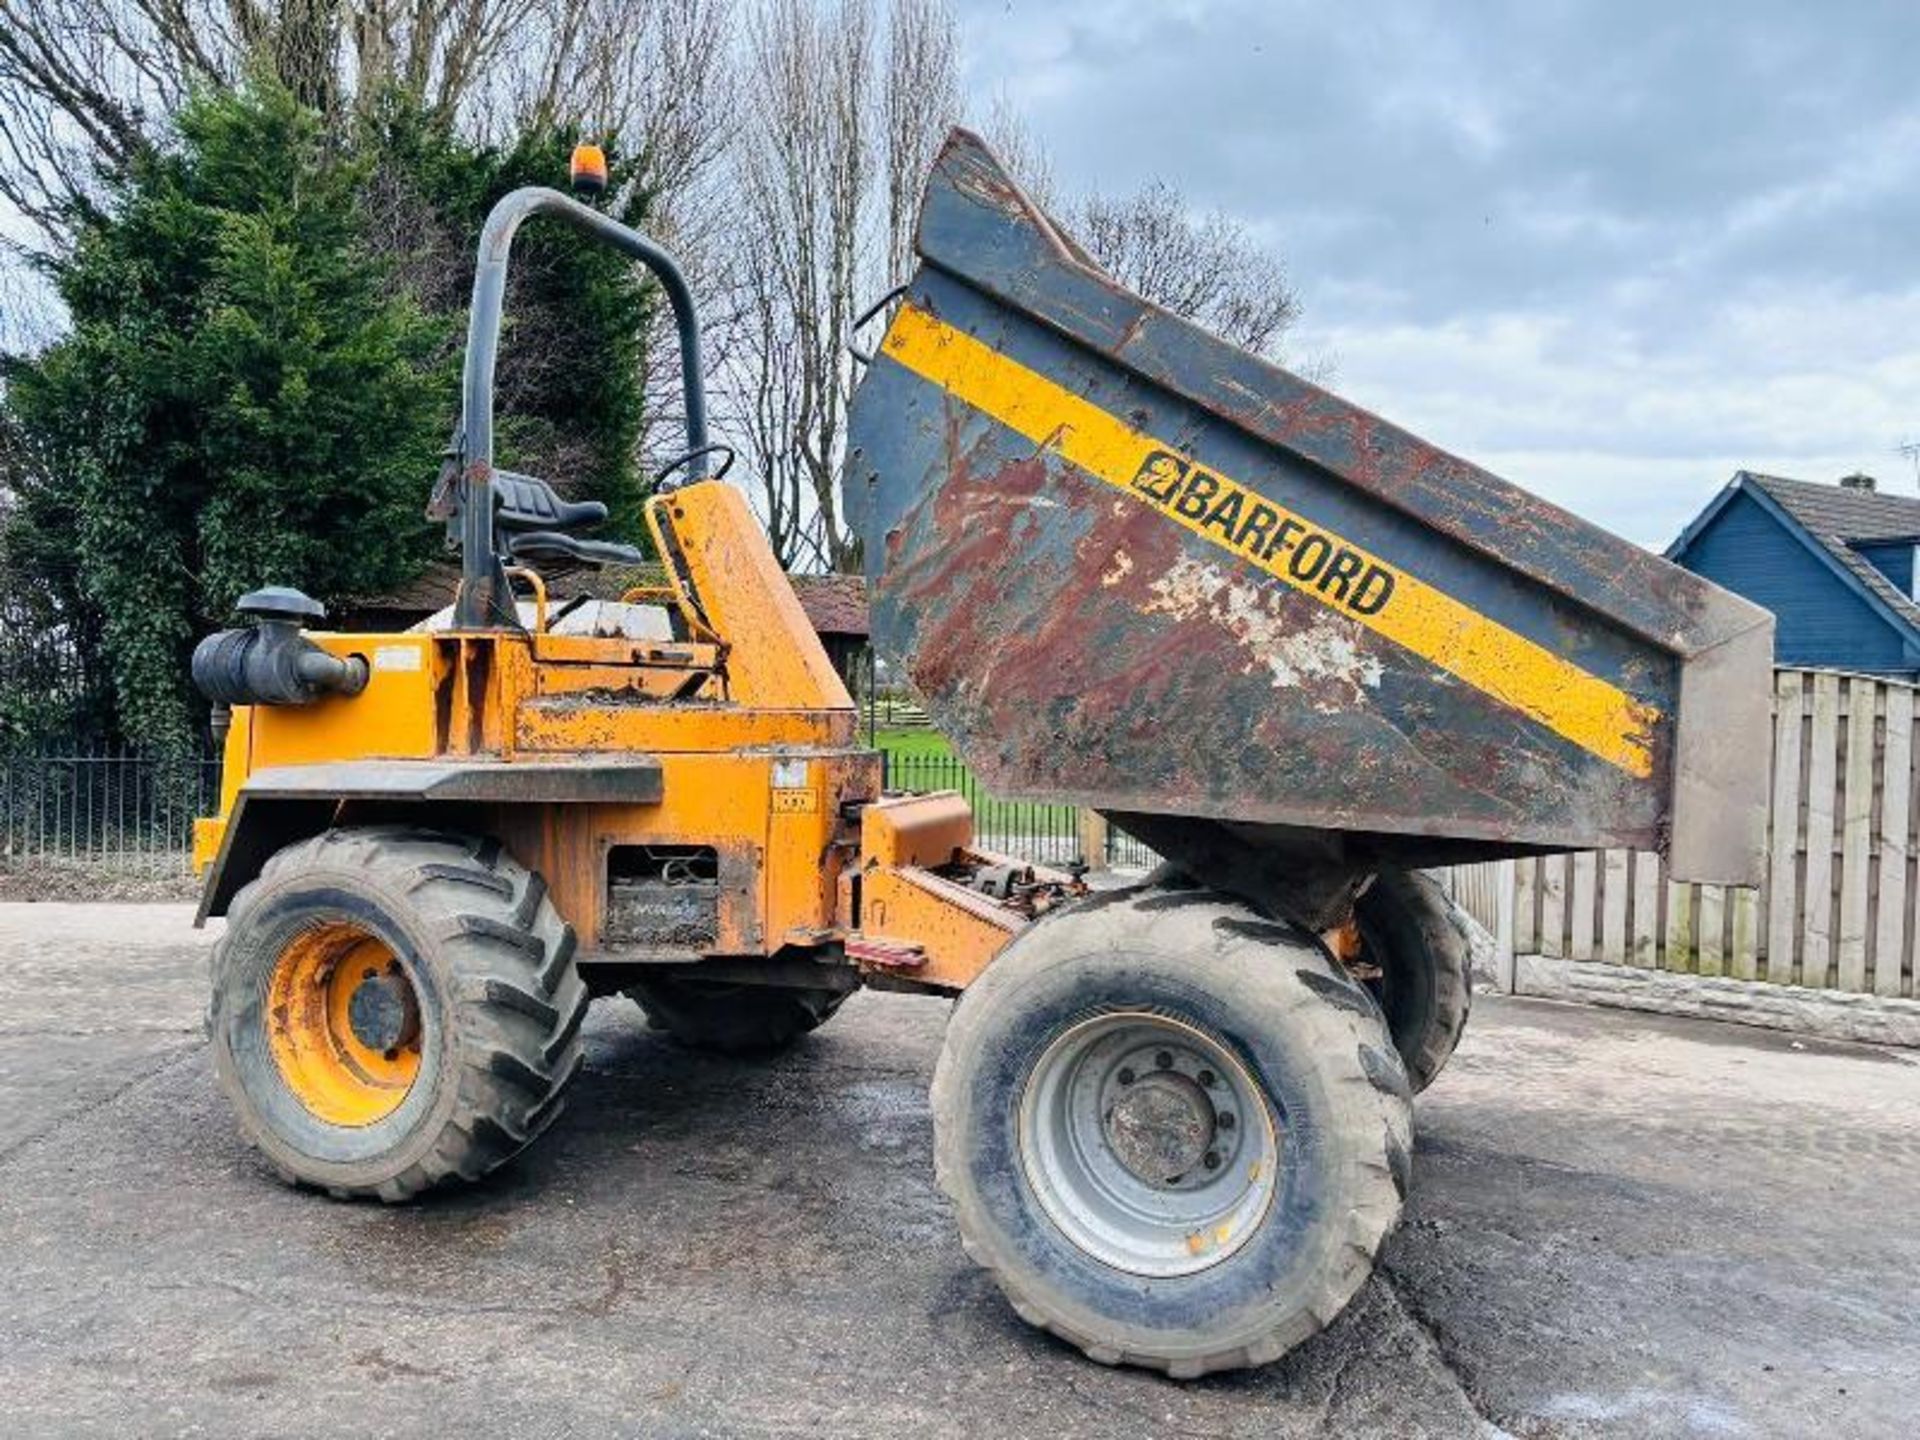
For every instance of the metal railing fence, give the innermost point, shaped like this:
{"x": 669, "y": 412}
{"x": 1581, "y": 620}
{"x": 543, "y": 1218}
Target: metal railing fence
{"x": 1046, "y": 834}
{"x": 128, "y": 812}
{"x": 133, "y": 814}
{"x": 1126, "y": 853}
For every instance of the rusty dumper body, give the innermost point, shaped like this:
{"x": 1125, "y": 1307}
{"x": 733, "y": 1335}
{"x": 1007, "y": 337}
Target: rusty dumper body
{"x": 1129, "y": 565}
{"x": 1297, "y": 651}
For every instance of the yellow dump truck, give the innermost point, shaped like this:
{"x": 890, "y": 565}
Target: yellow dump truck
{"x": 1297, "y": 651}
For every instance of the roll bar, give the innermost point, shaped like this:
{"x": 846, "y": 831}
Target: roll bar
{"x": 482, "y": 585}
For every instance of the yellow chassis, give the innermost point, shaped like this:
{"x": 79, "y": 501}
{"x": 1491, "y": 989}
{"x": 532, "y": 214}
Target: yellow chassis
{"x": 751, "y": 732}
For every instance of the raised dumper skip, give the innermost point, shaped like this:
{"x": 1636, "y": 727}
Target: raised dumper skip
{"x": 1297, "y": 651}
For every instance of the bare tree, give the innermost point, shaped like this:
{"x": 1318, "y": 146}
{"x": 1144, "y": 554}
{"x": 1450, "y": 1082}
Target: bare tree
{"x": 664, "y": 93}
{"x": 87, "y": 85}
{"x": 841, "y": 122}
{"x": 840, "y": 118}
{"x": 1005, "y": 129}
{"x": 1206, "y": 268}
{"x": 803, "y": 164}
{"x": 28, "y": 315}
{"x": 920, "y": 94}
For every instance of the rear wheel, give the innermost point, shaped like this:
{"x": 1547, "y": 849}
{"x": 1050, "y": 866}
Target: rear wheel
{"x": 1172, "y": 1129}
{"x": 1415, "y": 937}
{"x": 734, "y": 1019}
{"x": 394, "y": 1008}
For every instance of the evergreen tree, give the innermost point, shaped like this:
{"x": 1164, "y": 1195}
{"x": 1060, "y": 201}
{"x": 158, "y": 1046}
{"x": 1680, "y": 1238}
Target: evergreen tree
{"x": 261, "y": 371}
{"x": 569, "y": 388}
{"x": 241, "y": 401}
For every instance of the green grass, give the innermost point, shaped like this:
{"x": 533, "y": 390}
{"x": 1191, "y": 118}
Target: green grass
{"x": 927, "y": 761}
{"x": 918, "y": 744}
{"x": 928, "y": 756}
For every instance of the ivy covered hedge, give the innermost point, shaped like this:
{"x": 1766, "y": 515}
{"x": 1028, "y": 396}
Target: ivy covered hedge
{"x": 260, "y": 372}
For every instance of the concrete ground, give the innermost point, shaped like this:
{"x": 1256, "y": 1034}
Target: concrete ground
{"x": 1620, "y": 1225}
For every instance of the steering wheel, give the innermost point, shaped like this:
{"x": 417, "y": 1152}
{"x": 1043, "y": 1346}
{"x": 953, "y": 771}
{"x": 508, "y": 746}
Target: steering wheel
{"x": 660, "y": 479}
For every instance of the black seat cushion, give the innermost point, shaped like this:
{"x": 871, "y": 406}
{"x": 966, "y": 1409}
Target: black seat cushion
{"x": 526, "y": 502}
{"x": 552, "y": 548}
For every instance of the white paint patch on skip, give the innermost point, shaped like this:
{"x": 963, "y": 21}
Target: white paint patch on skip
{"x": 1255, "y": 617}
{"x": 1026, "y": 502}
{"x": 1122, "y": 567}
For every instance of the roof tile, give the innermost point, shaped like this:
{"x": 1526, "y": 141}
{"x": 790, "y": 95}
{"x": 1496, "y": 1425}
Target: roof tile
{"x": 1839, "y": 518}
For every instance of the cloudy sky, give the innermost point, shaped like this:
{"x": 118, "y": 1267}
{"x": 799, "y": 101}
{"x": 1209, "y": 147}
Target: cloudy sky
{"x": 1612, "y": 251}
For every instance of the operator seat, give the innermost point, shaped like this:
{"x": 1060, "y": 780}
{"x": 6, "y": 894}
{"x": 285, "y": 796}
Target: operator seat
{"x": 533, "y": 523}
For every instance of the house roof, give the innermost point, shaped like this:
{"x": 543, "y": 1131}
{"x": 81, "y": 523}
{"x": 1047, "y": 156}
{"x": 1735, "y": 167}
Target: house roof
{"x": 836, "y": 605}
{"x": 1846, "y": 514}
{"x": 1830, "y": 520}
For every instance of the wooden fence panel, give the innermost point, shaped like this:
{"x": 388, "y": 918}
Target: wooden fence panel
{"x": 1890, "y": 871}
{"x": 1581, "y": 902}
{"x": 1646, "y": 910}
{"x": 1676, "y": 952}
{"x": 1526, "y": 906}
{"x": 1856, "y": 830}
{"x": 1613, "y": 914}
{"x": 1836, "y": 906}
{"x": 1743, "y": 951}
{"x": 1783, "y": 840}
{"x": 1709, "y": 943}
{"x": 1553, "y": 905}
{"x": 1816, "y": 909}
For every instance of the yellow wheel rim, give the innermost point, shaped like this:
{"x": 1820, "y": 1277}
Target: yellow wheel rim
{"x": 343, "y": 1024}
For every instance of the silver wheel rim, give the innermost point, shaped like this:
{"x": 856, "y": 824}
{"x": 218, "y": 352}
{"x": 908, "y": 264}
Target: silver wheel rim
{"x": 1148, "y": 1144}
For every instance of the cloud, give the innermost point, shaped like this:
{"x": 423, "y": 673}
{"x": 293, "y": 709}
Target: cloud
{"x": 1637, "y": 437}
{"x": 1612, "y": 250}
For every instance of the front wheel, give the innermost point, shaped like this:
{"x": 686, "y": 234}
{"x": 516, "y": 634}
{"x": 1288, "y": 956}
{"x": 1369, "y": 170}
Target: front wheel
{"x": 392, "y": 1009}
{"x": 1172, "y": 1129}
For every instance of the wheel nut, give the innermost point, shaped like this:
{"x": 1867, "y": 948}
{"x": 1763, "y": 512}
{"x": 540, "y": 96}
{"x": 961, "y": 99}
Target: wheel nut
{"x": 1210, "y": 1160}
{"x": 1224, "y": 1120}
{"x": 1126, "y": 1076}
{"x": 368, "y": 973}
{"x": 1164, "y": 1060}
{"x": 1206, "y": 1078}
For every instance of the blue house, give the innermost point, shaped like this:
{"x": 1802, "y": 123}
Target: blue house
{"x": 1835, "y": 564}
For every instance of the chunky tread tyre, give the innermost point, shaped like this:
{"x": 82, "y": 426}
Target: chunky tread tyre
{"x": 732, "y": 1019}
{"x": 1271, "y": 997}
{"x": 501, "y": 1002}
{"x": 1419, "y": 940}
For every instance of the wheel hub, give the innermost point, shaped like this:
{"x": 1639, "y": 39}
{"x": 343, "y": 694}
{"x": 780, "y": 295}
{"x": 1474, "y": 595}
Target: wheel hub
{"x": 1149, "y": 1143}
{"x": 380, "y": 1012}
{"x": 343, "y": 1024}
{"x": 1161, "y": 1127}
